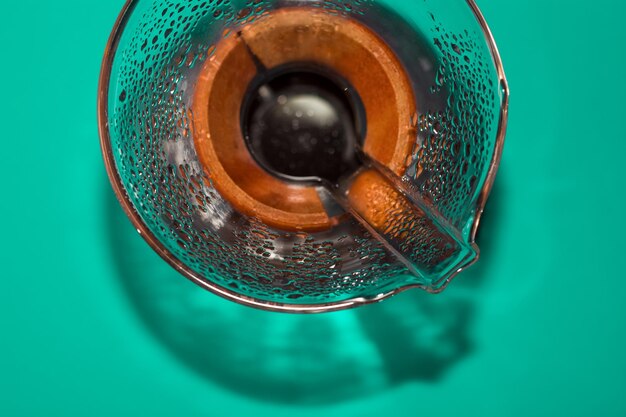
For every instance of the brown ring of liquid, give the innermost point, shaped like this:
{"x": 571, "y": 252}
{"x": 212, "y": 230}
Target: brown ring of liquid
{"x": 285, "y": 36}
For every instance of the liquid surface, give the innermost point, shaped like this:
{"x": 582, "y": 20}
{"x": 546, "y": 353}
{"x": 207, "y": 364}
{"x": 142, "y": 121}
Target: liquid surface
{"x": 302, "y": 124}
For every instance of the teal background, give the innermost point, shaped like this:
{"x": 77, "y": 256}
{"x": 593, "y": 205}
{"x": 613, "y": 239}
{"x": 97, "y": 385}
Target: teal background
{"x": 93, "y": 323}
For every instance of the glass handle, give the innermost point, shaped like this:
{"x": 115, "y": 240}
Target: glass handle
{"x": 421, "y": 239}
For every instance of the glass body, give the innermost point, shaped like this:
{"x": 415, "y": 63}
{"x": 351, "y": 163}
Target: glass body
{"x": 157, "y": 52}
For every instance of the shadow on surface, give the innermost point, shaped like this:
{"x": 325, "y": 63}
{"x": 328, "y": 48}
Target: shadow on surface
{"x": 297, "y": 359}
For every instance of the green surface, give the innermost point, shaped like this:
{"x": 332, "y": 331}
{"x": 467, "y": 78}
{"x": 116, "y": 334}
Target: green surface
{"x": 93, "y": 323}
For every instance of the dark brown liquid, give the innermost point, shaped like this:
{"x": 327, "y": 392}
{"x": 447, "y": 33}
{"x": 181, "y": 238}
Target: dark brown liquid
{"x": 303, "y": 124}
